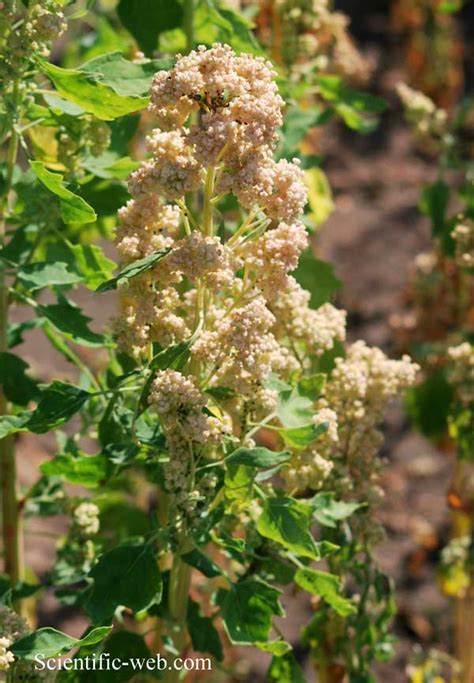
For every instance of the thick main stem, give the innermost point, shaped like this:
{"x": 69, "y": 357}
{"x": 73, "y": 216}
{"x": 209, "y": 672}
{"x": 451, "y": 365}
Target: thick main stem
{"x": 11, "y": 516}
{"x": 180, "y": 581}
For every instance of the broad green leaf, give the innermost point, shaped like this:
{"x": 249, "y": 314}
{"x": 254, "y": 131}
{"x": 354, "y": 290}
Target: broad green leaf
{"x": 285, "y": 670}
{"x": 216, "y": 21}
{"x": 68, "y": 319}
{"x": 86, "y": 90}
{"x": 204, "y": 635}
{"x": 297, "y": 124}
{"x": 146, "y": 19}
{"x": 132, "y": 270}
{"x": 16, "y": 385}
{"x": 294, "y": 409}
{"x": 130, "y": 648}
{"x": 357, "y": 109}
{"x": 317, "y": 277}
{"x": 326, "y": 586}
{"x": 123, "y": 76}
{"x": 328, "y": 511}
{"x": 256, "y": 457}
{"x": 107, "y": 166}
{"x": 92, "y": 264}
{"x": 200, "y": 561}
{"x": 59, "y": 401}
{"x": 49, "y": 642}
{"x": 83, "y": 470}
{"x": 287, "y": 521}
{"x": 62, "y": 106}
{"x": 320, "y": 199}
{"x": 125, "y": 576}
{"x": 300, "y": 437}
{"x": 238, "y": 483}
{"x": 43, "y": 274}
{"x": 73, "y": 209}
{"x": 312, "y": 386}
{"x": 247, "y": 610}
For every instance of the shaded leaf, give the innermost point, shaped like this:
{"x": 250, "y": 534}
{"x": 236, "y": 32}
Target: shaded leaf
{"x": 200, "y": 561}
{"x": 317, "y": 277}
{"x": 49, "y": 642}
{"x": 247, "y": 610}
{"x": 16, "y": 385}
{"x": 68, "y": 319}
{"x": 73, "y": 209}
{"x": 115, "y": 581}
{"x": 146, "y": 19}
{"x": 204, "y": 635}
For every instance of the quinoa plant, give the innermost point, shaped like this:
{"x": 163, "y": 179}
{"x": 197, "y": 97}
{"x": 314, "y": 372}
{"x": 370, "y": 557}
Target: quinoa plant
{"x": 192, "y": 527}
{"x": 439, "y": 326}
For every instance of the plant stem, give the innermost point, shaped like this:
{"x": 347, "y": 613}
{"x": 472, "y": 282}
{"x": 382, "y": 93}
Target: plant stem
{"x": 180, "y": 580}
{"x": 189, "y": 24}
{"x": 11, "y": 517}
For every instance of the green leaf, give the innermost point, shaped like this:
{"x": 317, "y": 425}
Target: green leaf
{"x": 247, "y": 610}
{"x": 429, "y": 405}
{"x": 204, "y": 635}
{"x": 92, "y": 264}
{"x": 434, "y": 204}
{"x": 43, "y": 274}
{"x": 68, "y": 319}
{"x": 200, "y": 561}
{"x": 295, "y": 410}
{"x": 312, "y": 386}
{"x": 326, "y": 586}
{"x": 125, "y": 77}
{"x": 11, "y": 424}
{"x": 328, "y": 511}
{"x": 300, "y": 437}
{"x": 277, "y": 648}
{"x": 83, "y": 470}
{"x": 357, "y": 109}
{"x": 49, "y": 642}
{"x": 256, "y": 457}
{"x": 286, "y": 521}
{"x": 17, "y": 330}
{"x": 86, "y": 90}
{"x": 298, "y": 123}
{"x": 317, "y": 277}
{"x": 238, "y": 483}
{"x": 125, "y": 576}
{"x": 16, "y": 385}
{"x": 146, "y": 19}
{"x": 59, "y": 401}
{"x": 73, "y": 209}
{"x": 132, "y": 270}
{"x": 131, "y": 649}
{"x": 285, "y": 670}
